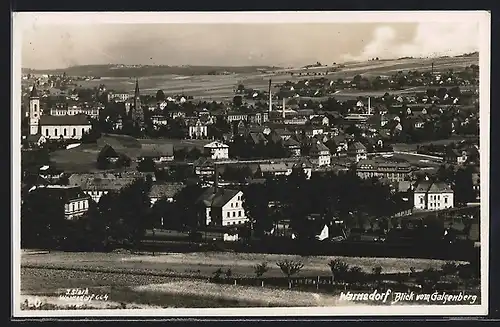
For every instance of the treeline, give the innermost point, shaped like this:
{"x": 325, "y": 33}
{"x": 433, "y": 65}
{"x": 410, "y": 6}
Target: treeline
{"x": 333, "y": 196}
{"x": 118, "y": 220}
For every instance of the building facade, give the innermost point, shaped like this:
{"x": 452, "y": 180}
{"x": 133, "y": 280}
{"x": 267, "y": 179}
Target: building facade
{"x": 393, "y": 171}
{"x": 433, "y": 196}
{"x": 216, "y": 150}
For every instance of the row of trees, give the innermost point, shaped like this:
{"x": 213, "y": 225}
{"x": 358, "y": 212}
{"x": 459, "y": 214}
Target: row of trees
{"x": 342, "y": 195}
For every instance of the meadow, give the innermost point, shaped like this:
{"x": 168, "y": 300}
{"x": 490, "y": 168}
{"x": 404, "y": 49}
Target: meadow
{"x": 182, "y": 280}
{"x": 83, "y": 157}
{"x": 221, "y": 87}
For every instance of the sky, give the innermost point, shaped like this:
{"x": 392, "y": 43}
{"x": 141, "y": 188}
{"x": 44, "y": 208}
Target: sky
{"x": 47, "y": 46}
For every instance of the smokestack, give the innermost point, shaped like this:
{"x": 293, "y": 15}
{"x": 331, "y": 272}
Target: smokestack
{"x": 216, "y": 181}
{"x": 283, "y": 111}
{"x": 369, "y": 106}
{"x": 432, "y": 68}
{"x": 270, "y": 97}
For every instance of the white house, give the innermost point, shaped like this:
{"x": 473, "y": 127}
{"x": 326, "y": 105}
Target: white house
{"x": 159, "y": 120}
{"x": 433, "y": 196}
{"x": 198, "y": 130}
{"x": 357, "y": 151}
{"x": 321, "y": 153}
{"x": 92, "y": 111}
{"x": 217, "y": 150}
{"x": 223, "y": 207}
{"x": 76, "y": 202}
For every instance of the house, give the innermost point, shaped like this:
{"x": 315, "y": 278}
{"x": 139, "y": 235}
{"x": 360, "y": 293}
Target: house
{"x": 304, "y": 164}
{"x": 236, "y": 116}
{"x": 433, "y": 196}
{"x": 75, "y": 201}
{"x": 69, "y": 110}
{"x": 108, "y": 154}
{"x": 293, "y": 147}
{"x": 456, "y": 157}
{"x": 216, "y": 150}
{"x": 97, "y": 185}
{"x": 320, "y": 121}
{"x": 35, "y": 140}
{"x": 274, "y": 169}
{"x": 357, "y": 151}
{"x": 118, "y": 97}
{"x": 165, "y": 191}
{"x": 159, "y": 120}
{"x": 159, "y": 153}
{"x": 394, "y": 171}
{"x": 320, "y": 153}
{"x": 222, "y": 207}
{"x": 197, "y": 130}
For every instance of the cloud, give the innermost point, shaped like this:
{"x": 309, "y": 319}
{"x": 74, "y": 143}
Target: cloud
{"x": 430, "y": 39}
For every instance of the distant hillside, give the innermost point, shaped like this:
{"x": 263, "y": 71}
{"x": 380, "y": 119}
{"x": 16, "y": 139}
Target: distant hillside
{"x": 139, "y": 71}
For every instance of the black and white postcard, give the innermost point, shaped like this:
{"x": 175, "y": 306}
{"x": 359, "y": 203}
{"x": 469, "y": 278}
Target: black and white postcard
{"x": 250, "y": 163}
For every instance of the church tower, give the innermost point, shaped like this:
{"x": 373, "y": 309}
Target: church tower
{"x": 35, "y": 111}
{"x": 137, "y": 112}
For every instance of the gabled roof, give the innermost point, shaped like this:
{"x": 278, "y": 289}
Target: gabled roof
{"x": 168, "y": 190}
{"x": 291, "y": 142}
{"x": 66, "y": 193}
{"x": 34, "y": 92}
{"x": 217, "y": 199}
{"x": 356, "y": 146}
{"x": 318, "y": 146}
{"x": 108, "y": 152}
{"x": 432, "y": 187}
{"x": 157, "y": 150}
{"x": 215, "y": 144}
{"x": 79, "y": 119}
{"x": 273, "y": 167}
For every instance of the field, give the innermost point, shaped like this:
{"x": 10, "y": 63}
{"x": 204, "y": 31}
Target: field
{"x": 221, "y": 87}
{"x": 180, "y": 280}
{"x": 84, "y": 156}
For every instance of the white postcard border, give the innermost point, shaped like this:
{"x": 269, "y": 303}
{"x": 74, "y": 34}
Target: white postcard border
{"x": 24, "y": 20}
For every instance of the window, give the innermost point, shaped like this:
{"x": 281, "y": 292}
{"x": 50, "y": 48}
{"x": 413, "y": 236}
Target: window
{"x": 421, "y": 200}
{"x": 46, "y": 132}
{"x": 55, "y": 132}
{"x": 35, "y": 106}
{"x": 445, "y": 200}
{"x": 83, "y": 131}
{"x": 228, "y": 215}
{"x": 232, "y": 205}
{"x": 65, "y": 132}
{"x": 74, "y": 131}
{"x": 239, "y": 213}
{"x": 72, "y": 207}
{"x": 438, "y": 197}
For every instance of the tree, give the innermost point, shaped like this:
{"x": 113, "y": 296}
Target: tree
{"x": 146, "y": 165}
{"x": 237, "y": 101}
{"x": 160, "y": 96}
{"x": 290, "y": 268}
{"x": 261, "y": 269}
{"x": 256, "y": 199}
{"x": 339, "y": 270}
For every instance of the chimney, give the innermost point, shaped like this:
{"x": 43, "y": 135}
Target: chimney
{"x": 283, "y": 111}
{"x": 270, "y": 97}
{"x": 216, "y": 181}
{"x": 369, "y": 106}
{"x": 432, "y": 68}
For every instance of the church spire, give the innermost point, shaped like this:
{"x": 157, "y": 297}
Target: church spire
{"x": 34, "y": 93}
{"x": 136, "y": 87}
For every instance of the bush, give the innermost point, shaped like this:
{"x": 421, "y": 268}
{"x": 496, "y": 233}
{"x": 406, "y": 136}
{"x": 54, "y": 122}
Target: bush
{"x": 449, "y": 268}
{"x": 377, "y": 270}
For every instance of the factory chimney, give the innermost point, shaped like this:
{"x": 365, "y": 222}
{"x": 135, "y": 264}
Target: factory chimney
{"x": 270, "y": 97}
{"x": 283, "y": 110}
{"x": 369, "y": 106}
{"x": 432, "y": 68}
{"x": 216, "y": 180}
